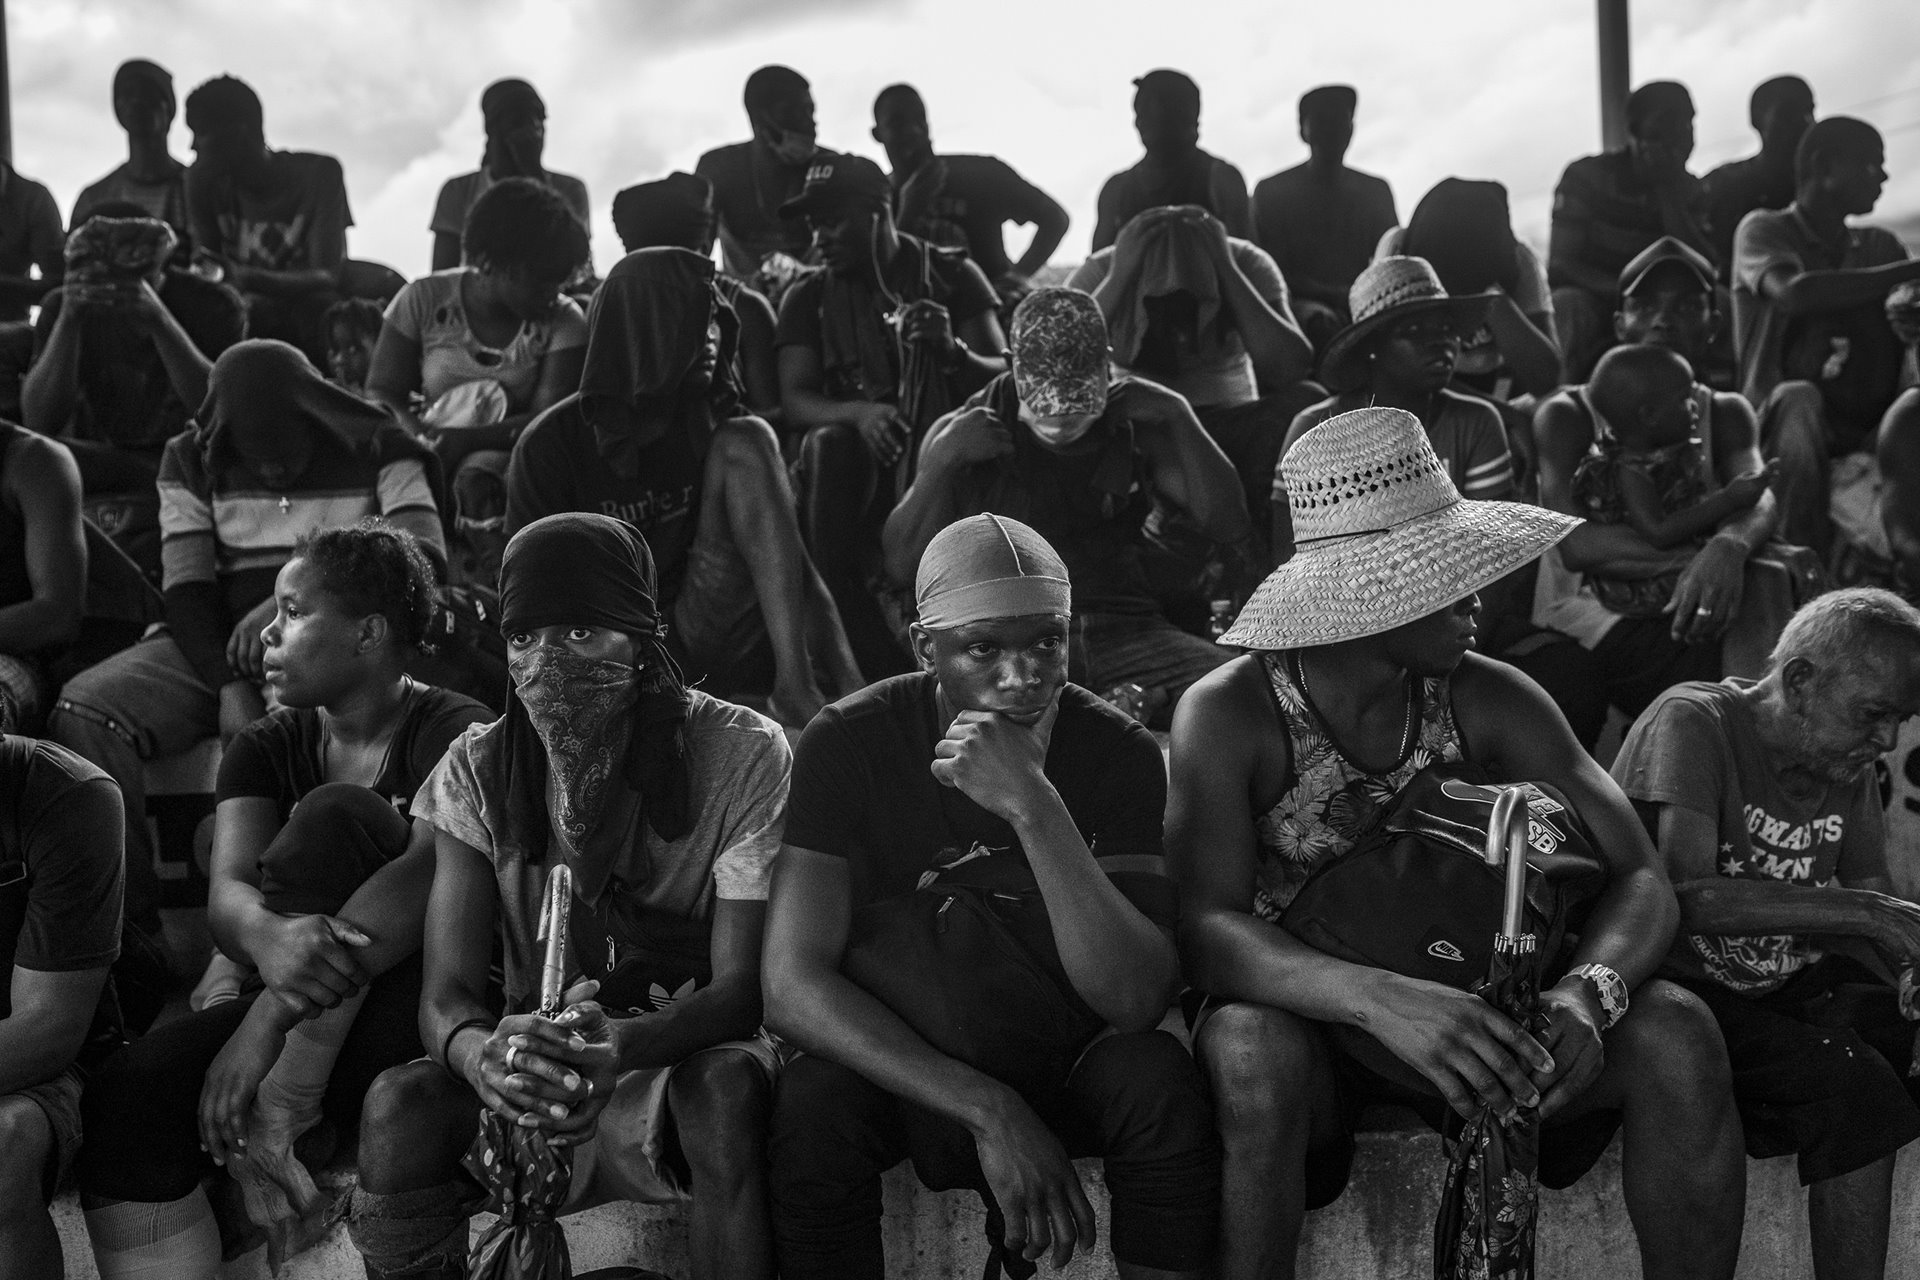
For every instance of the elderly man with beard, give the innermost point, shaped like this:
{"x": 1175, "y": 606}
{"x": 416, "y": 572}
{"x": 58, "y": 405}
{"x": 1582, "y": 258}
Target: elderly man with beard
{"x": 1762, "y": 798}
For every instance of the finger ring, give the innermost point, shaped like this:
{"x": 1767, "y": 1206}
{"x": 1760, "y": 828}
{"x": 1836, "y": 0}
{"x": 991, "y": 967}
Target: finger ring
{"x": 511, "y": 1051}
{"x": 589, "y": 1088}
{"x": 1704, "y": 609}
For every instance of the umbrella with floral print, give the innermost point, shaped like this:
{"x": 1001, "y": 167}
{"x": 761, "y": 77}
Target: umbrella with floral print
{"x": 1489, "y": 1202}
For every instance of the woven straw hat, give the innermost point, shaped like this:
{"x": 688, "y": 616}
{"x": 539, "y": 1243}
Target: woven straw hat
{"x": 1388, "y": 290}
{"x": 1382, "y": 536}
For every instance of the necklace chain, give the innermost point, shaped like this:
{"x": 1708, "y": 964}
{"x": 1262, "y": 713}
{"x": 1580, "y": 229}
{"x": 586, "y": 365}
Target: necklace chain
{"x": 1406, "y": 732}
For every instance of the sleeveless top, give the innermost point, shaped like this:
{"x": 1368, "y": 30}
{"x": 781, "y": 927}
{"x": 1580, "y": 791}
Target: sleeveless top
{"x": 1331, "y": 802}
{"x": 15, "y": 583}
{"x": 1562, "y": 600}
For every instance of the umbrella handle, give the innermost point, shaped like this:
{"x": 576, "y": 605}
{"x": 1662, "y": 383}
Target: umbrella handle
{"x": 555, "y": 912}
{"x": 1507, "y": 847}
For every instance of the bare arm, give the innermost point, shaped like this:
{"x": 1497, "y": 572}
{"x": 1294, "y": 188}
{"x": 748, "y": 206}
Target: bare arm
{"x": 1736, "y": 452}
{"x": 1281, "y": 353}
{"x": 759, "y": 367}
{"x": 1562, "y": 434}
{"x": 51, "y": 1013}
{"x": 803, "y": 400}
{"x": 1713, "y": 904}
{"x": 1189, "y": 471}
{"x": 931, "y": 503}
{"x": 1898, "y": 450}
{"x": 1799, "y": 293}
{"x": 52, "y": 385}
{"x": 458, "y": 944}
{"x": 44, "y": 481}
{"x": 1050, "y": 224}
{"x": 1527, "y": 345}
{"x": 393, "y": 375}
{"x": 1665, "y": 529}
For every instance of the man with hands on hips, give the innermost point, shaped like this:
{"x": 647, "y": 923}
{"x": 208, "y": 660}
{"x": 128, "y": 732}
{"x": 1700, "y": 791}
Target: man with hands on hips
{"x": 986, "y": 751}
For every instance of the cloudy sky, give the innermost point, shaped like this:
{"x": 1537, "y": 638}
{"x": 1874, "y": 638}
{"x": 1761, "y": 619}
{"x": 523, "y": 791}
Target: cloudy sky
{"x": 1499, "y": 89}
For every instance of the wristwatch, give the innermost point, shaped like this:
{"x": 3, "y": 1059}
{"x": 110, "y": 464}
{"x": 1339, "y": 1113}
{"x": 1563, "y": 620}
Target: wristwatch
{"x": 1609, "y": 987}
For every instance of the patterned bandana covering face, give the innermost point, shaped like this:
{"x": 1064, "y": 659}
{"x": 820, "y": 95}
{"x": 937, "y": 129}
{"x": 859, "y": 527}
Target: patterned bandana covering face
{"x": 579, "y": 707}
{"x": 1060, "y": 353}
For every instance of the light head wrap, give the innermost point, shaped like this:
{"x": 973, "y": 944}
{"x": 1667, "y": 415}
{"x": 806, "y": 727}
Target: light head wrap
{"x": 988, "y": 566}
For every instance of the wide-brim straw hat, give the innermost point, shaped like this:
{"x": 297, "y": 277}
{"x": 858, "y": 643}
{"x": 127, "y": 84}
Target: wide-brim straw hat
{"x": 1381, "y": 535}
{"x": 1389, "y": 290}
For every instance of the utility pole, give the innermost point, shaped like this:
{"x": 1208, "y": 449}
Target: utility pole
{"x": 1616, "y": 72}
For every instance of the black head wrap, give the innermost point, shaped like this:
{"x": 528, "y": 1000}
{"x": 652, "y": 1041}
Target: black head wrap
{"x": 677, "y": 211}
{"x": 593, "y": 570}
{"x": 646, "y": 324}
{"x": 503, "y": 105}
{"x": 1464, "y": 229}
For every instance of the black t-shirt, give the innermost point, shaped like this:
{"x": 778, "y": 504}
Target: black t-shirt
{"x": 863, "y": 790}
{"x": 954, "y": 282}
{"x": 557, "y": 466}
{"x": 61, "y": 837}
{"x": 282, "y": 756}
{"x": 969, "y": 203}
{"x": 124, "y": 396}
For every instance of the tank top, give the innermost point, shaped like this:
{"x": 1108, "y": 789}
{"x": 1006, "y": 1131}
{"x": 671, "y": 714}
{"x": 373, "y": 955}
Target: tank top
{"x": 1330, "y": 802}
{"x": 1562, "y": 601}
{"x": 15, "y": 583}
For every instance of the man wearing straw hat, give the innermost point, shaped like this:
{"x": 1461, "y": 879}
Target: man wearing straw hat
{"x": 1362, "y": 674}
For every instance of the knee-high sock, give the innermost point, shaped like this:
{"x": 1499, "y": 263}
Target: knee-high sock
{"x": 167, "y": 1240}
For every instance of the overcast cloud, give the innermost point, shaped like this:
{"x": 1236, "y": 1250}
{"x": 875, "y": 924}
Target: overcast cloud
{"x": 1499, "y": 89}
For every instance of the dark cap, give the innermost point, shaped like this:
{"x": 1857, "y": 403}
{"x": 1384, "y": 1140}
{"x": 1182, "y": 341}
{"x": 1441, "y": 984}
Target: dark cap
{"x": 837, "y": 182}
{"x": 1329, "y": 97}
{"x": 1174, "y": 88}
{"x": 140, "y": 71}
{"x": 1658, "y": 254}
{"x": 1656, "y": 97}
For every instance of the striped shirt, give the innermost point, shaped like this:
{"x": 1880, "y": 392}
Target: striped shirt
{"x": 225, "y": 535}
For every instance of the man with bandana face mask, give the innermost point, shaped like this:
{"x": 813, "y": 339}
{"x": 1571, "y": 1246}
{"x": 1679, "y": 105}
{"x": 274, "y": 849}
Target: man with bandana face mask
{"x": 668, "y": 806}
{"x": 1085, "y": 458}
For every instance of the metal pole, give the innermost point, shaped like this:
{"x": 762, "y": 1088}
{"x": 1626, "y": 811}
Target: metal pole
{"x": 6, "y": 93}
{"x": 1616, "y": 72}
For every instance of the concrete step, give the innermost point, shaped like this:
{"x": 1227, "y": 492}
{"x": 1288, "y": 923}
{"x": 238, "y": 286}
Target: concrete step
{"x": 1380, "y": 1230}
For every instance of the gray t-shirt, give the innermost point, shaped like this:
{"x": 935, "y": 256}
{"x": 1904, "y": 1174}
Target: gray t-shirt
{"x": 740, "y": 764}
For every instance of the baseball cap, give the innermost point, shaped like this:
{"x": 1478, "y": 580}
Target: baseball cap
{"x": 836, "y": 182}
{"x": 1662, "y": 251}
{"x": 1059, "y": 343}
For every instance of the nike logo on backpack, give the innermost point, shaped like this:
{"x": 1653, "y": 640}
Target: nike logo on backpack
{"x": 1444, "y": 950}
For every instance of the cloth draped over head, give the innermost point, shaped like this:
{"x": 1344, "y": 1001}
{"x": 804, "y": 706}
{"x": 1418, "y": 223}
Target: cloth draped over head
{"x": 645, "y": 327}
{"x": 262, "y": 389}
{"x": 1465, "y": 230}
{"x": 583, "y": 569}
{"x": 988, "y": 566}
{"x": 504, "y": 106}
{"x": 1173, "y": 259}
{"x": 676, "y": 210}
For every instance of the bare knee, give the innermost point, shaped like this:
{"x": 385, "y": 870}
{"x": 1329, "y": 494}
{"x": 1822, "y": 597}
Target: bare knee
{"x": 416, "y": 1123}
{"x": 1260, "y": 1063}
{"x": 1670, "y": 1044}
{"x": 720, "y": 1104}
{"x": 26, "y": 1144}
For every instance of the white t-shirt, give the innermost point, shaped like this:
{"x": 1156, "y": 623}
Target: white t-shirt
{"x": 432, "y": 312}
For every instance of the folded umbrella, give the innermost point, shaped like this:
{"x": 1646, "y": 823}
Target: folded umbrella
{"x": 525, "y": 1175}
{"x": 1489, "y": 1202}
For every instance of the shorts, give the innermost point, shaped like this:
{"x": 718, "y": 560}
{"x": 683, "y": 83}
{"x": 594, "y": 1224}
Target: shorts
{"x": 1568, "y": 1148}
{"x": 59, "y": 1099}
{"x": 635, "y": 1153}
{"x": 1819, "y": 1067}
{"x": 717, "y": 625}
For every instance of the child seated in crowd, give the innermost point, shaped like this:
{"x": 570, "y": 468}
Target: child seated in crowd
{"x": 353, "y": 329}
{"x": 1647, "y": 470}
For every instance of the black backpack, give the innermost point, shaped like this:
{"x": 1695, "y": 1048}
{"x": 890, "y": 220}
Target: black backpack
{"x": 1417, "y": 896}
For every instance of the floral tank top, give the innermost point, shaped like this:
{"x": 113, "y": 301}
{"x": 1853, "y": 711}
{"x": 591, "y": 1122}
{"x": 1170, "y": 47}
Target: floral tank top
{"x": 1330, "y": 802}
